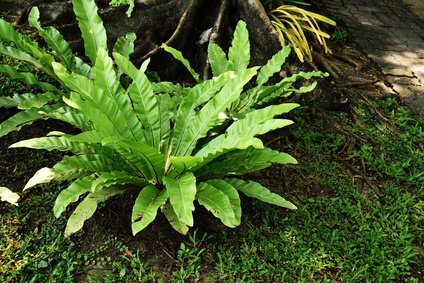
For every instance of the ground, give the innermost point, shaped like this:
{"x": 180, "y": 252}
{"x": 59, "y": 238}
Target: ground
{"x": 359, "y": 188}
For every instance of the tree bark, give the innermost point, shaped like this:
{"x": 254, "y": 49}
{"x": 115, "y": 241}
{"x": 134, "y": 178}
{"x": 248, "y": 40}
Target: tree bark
{"x": 178, "y": 23}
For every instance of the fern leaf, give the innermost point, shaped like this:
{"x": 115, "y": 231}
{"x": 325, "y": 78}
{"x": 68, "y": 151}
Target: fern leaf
{"x": 27, "y": 117}
{"x": 28, "y": 100}
{"x": 179, "y": 56}
{"x": 108, "y": 179}
{"x": 239, "y": 52}
{"x": 217, "y": 59}
{"x": 101, "y": 109}
{"x": 124, "y": 45}
{"x": 253, "y": 159}
{"x": 8, "y": 196}
{"x": 22, "y": 56}
{"x": 256, "y": 190}
{"x": 148, "y": 160}
{"x": 146, "y": 206}
{"x": 182, "y": 192}
{"x": 71, "y": 194}
{"x": 197, "y": 96}
{"x": 27, "y": 78}
{"x": 42, "y": 176}
{"x": 170, "y": 88}
{"x": 84, "y": 165}
{"x": 62, "y": 143}
{"x": 86, "y": 209}
{"x": 145, "y": 103}
{"x": 222, "y": 200}
{"x": 167, "y": 107}
{"x": 91, "y": 26}
{"x": 54, "y": 40}
{"x": 118, "y": 104}
{"x": 69, "y": 115}
{"x": 239, "y": 135}
{"x": 39, "y": 100}
{"x": 9, "y": 34}
{"x": 205, "y": 118}
{"x": 173, "y": 219}
{"x": 282, "y": 88}
{"x": 273, "y": 65}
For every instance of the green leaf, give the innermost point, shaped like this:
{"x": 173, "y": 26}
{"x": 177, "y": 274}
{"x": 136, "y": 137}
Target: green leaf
{"x": 28, "y": 100}
{"x": 54, "y": 40}
{"x": 118, "y": 104}
{"x": 174, "y": 220}
{"x": 256, "y": 190}
{"x": 39, "y": 100}
{"x": 27, "y": 117}
{"x": 170, "y": 88}
{"x": 222, "y": 200}
{"x": 22, "y": 42}
{"x": 71, "y": 194}
{"x": 107, "y": 112}
{"x": 83, "y": 165}
{"x": 257, "y": 117}
{"x": 86, "y": 209}
{"x": 205, "y": 119}
{"x": 42, "y": 176}
{"x": 8, "y": 196}
{"x": 149, "y": 200}
{"x": 217, "y": 59}
{"x": 273, "y": 65}
{"x": 239, "y": 135}
{"x": 253, "y": 159}
{"x": 182, "y": 192}
{"x": 91, "y": 26}
{"x": 167, "y": 109}
{"x": 108, "y": 179}
{"x": 69, "y": 115}
{"x": 239, "y": 52}
{"x": 283, "y": 88}
{"x": 27, "y": 78}
{"x": 62, "y": 143}
{"x": 197, "y": 96}
{"x": 145, "y": 103}
{"x": 179, "y": 56}
{"x": 148, "y": 160}
{"x": 124, "y": 45}
{"x": 22, "y": 56}
{"x": 183, "y": 163}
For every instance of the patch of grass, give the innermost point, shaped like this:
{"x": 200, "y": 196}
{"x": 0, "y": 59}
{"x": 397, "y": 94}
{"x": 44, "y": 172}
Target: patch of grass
{"x": 188, "y": 259}
{"x": 35, "y": 252}
{"x": 344, "y": 230}
{"x": 348, "y": 239}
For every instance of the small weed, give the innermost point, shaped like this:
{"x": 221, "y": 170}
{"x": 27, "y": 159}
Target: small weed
{"x": 340, "y": 36}
{"x": 188, "y": 259}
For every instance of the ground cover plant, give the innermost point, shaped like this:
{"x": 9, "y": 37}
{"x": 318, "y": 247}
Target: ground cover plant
{"x": 175, "y": 144}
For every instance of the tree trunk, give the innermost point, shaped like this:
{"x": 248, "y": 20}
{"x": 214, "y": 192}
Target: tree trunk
{"x": 178, "y": 23}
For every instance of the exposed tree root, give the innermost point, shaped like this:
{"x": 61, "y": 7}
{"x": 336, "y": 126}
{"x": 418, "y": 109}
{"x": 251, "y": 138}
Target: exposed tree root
{"x": 362, "y": 175}
{"x": 327, "y": 65}
{"x": 180, "y": 33}
{"x": 346, "y": 60}
{"x": 216, "y": 30}
{"x": 359, "y": 83}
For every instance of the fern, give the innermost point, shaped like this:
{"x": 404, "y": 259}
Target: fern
{"x": 173, "y": 145}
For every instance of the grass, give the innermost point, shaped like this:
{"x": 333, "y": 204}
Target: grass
{"x": 350, "y": 233}
{"x": 360, "y": 218}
